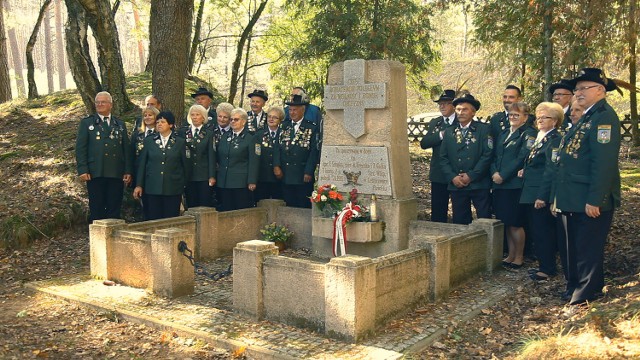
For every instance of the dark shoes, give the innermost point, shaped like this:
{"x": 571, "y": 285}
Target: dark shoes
{"x": 535, "y": 276}
{"x": 511, "y": 266}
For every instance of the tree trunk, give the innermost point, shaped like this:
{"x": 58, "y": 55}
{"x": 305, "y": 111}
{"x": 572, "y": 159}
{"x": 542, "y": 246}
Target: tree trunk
{"x": 138, "y": 27}
{"x": 244, "y": 72}
{"x": 15, "y": 56}
{"x": 233, "y": 86}
{"x": 5, "y": 79}
{"x": 196, "y": 37}
{"x": 48, "y": 53}
{"x": 548, "y": 48}
{"x": 633, "y": 62}
{"x": 62, "y": 69}
{"x": 33, "y": 89}
{"x": 100, "y": 18}
{"x": 82, "y": 68}
{"x": 169, "y": 52}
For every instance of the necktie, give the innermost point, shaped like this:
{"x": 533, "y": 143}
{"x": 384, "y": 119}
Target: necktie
{"x": 234, "y": 136}
{"x": 273, "y": 134}
{"x": 149, "y": 131}
{"x": 196, "y": 132}
{"x": 106, "y": 120}
{"x": 464, "y": 131}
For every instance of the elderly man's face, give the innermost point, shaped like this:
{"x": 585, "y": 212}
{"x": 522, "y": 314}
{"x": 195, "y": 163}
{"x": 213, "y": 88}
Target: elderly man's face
{"x": 465, "y": 113}
{"x": 153, "y": 102}
{"x": 589, "y": 93}
{"x": 296, "y": 112}
{"x": 509, "y": 97}
{"x": 446, "y": 107}
{"x": 203, "y": 100}
{"x": 257, "y": 103}
{"x": 562, "y": 97}
{"x": 576, "y": 112}
{"x": 103, "y": 105}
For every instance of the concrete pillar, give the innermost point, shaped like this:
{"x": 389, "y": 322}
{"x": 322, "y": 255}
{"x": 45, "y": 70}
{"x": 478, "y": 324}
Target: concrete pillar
{"x": 101, "y": 234}
{"x": 439, "y": 266}
{"x": 206, "y": 232}
{"x": 272, "y": 206}
{"x": 248, "y": 276}
{"x": 172, "y": 273}
{"x": 495, "y": 236}
{"x": 350, "y": 297}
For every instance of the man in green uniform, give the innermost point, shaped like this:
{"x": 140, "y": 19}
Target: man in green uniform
{"x": 103, "y": 159}
{"x": 296, "y": 157}
{"x": 465, "y": 156}
{"x": 500, "y": 120}
{"x": 562, "y": 94}
{"x": 587, "y": 184}
{"x": 257, "y": 116}
{"x": 432, "y": 140}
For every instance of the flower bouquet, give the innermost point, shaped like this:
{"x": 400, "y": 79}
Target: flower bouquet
{"x": 327, "y": 197}
{"x": 278, "y": 234}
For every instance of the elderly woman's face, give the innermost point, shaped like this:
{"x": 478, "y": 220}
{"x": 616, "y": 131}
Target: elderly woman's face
{"x": 517, "y": 118}
{"x": 196, "y": 118}
{"x": 163, "y": 126}
{"x": 273, "y": 120}
{"x": 223, "y": 119}
{"x": 545, "y": 121}
{"x": 237, "y": 122}
{"x": 149, "y": 119}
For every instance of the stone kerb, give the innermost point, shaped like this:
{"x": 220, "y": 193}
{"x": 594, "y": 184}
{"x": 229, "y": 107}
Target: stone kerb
{"x": 350, "y": 297}
{"x": 172, "y": 272}
{"x": 206, "y": 232}
{"x": 248, "y": 278}
{"x": 495, "y": 243}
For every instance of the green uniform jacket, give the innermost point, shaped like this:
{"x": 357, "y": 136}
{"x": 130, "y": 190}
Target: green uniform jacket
{"x": 202, "y": 153}
{"x": 588, "y": 171}
{"x": 238, "y": 160}
{"x": 163, "y": 171}
{"x": 432, "y": 140}
{"x": 498, "y": 122}
{"x": 268, "y": 145}
{"x": 510, "y": 154}
{"x": 469, "y": 154}
{"x": 137, "y": 144}
{"x": 539, "y": 169}
{"x": 297, "y": 154}
{"x": 103, "y": 150}
{"x": 254, "y": 124}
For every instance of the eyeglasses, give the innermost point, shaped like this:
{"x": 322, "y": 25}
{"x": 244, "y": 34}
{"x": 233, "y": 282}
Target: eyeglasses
{"x": 561, "y": 94}
{"x": 584, "y": 88}
{"x": 102, "y": 102}
{"x": 514, "y": 115}
{"x": 273, "y": 117}
{"x": 235, "y": 119}
{"x": 544, "y": 118}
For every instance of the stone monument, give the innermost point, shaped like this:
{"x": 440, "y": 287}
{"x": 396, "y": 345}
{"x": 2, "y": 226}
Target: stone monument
{"x": 365, "y": 146}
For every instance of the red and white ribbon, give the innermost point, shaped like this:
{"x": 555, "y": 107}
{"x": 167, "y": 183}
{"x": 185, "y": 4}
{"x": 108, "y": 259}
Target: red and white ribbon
{"x": 340, "y": 228}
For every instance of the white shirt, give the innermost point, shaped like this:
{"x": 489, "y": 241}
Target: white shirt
{"x": 105, "y": 116}
{"x": 165, "y": 139}
{"x": 193, "y": 129}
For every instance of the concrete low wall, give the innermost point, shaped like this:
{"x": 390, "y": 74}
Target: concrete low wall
{"x": 294, "y": 292}
{"x": 133, "y": 253}
{"x": 402, "y": 280}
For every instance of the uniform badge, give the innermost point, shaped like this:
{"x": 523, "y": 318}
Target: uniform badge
{"x": 530, "y": 141}
{"x": 258, "y": 149}
{"x": 490, "y": 142}
{"x": 604, "y": 134}
{"x": 91, "y": 127}
{"x": 188, "y": 154}
{"x": 554, "y": 155}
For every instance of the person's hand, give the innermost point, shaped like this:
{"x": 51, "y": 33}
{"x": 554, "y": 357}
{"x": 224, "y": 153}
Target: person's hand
{"x": 252, "y": 187}
{"x": 539, "y": 204}
{"x": 497, "y": 178}
{"x": 592, "y": 211}
{"x": 554, "y": 211}
{"x": 521, "y": 173}
{"x": 307, "y": 178}
{"x": 126, "y": 179}
{"x": 457, "y": 182}
{"x": 137, "y": 192}
{"x": 85, "y": 177}
{"x": 212, "y": 181}
{"x": 465, "y": 179}
{"x": 277, "y": 171}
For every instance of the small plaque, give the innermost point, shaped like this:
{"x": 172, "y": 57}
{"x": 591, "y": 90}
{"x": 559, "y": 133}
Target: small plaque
{"x": 363, "y": 167}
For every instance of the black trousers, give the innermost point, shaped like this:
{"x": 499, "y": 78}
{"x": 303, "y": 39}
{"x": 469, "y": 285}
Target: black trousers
{"x": 298, "y": 195}
{"x": 439, "y": 202}
{"x": 461, "y": 201}
{"x": 198, "y": 193}
{"x": 235, "y": 199}
{"x": 268, "y": 190}
{"x": 543, "y": 232}
{"x": 163, "y": 206}
{"x": 105, "y": 198}
{"x": 586, "y": 238}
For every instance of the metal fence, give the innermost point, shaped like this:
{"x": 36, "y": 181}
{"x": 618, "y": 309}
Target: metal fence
{"x": 417, "y": 127}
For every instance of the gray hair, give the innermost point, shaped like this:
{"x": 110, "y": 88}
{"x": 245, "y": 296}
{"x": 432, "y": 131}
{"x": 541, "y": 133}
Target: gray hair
{"x": 200, "y": 110}
{"x": 555, "y": 111}
{"x": 241, "y": 111}
{"x": 104, "y": 93}
{"x": 225, "y": 108}
{"x": 278, "y": 110}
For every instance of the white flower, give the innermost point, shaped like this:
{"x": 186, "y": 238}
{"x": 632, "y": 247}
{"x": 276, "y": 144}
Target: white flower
{"x": 314, "y": 194}
{"x": 323, "y": 198}
{"x": 333, "y": 187}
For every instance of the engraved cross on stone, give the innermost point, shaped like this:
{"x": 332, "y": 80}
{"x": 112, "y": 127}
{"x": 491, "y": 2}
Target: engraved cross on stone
{"x": 355, "y": 96}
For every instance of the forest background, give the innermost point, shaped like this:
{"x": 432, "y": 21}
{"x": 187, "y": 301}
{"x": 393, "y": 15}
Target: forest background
{"x": 238, "y": 45}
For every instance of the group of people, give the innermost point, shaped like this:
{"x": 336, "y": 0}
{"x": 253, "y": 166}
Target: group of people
{"x": 552, "y": 171}
{"x": 225, "y": 157}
